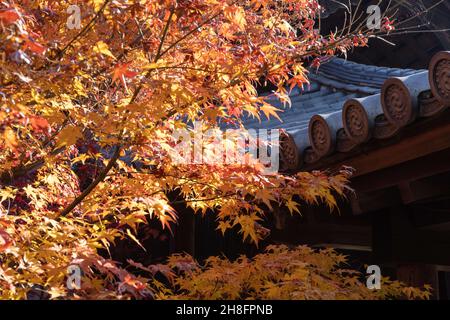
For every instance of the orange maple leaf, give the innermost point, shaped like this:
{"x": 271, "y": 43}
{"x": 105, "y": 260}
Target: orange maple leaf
{"x": 39, "y": 124}
{"x": 10, "y": 139}
{"x": 5, "y": 240}
{"x": 9, "y": 16}
{"x": 33, "y": 46}
{"x": 121, "y": 72}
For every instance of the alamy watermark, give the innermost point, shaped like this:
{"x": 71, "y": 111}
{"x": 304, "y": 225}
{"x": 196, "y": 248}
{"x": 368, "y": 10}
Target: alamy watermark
{"x": 374, "y": 279}
{"x": 73, "y": 277}
{"x": 74, "y": 19}
{"x": 374, "y": 18}
{"x": 232, "y": 146}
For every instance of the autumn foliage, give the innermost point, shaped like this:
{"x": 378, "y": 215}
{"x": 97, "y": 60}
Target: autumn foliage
{"x": 86, "y": 120}
{"x": 279, "y": 273}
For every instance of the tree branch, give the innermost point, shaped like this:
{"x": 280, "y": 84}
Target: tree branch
{"x": 85, "y": 29}
{"x": 93, "y": 184}
{"x": 117, "y": 147}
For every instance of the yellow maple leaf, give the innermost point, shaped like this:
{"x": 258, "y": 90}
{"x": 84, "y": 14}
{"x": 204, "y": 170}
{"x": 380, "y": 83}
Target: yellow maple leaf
{"x": 103, "y": 49}
{"x": 10, "y": 139}
{"x": 223, "y": 226}
{"x": 292, "y": 206}
{"x": 97, "y": 4}
{"x": 132, "y": 237}
{"x": 69, "y": 136}
{"x": 270, "y": 110}
{"x": 265, "y": 196}
{"x": 79, "y": 89}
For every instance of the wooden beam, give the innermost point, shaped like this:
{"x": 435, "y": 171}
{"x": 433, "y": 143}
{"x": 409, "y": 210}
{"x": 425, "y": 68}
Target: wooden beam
{"x": 431, "y": 187}
{"x": 396, "y": 239}
{"x": 418, "y": 140}
{"x": 406, "y": 192}
{"x": 407, "y": 149}
{"x": 362, "y": 202}
{"x": 433, "y": 164}
{"x": 325, "y": 233}
{"x": 434, "y": 217}
{"x": 343, "y": 246}
{"x": 355, "y": 204}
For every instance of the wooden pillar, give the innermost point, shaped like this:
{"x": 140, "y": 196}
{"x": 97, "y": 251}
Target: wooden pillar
{"x": 382, "y": 241}
{"x": 185, "y": 233}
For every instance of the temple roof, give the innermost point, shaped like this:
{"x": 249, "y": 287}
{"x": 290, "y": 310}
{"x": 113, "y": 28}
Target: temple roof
{"x": 331, "y": 85}
{"x": 348, "y": 104}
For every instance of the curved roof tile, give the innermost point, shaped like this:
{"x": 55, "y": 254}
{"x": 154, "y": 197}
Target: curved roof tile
{"x": 316, "y": 110}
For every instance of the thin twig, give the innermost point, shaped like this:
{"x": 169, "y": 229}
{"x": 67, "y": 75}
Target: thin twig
{"x": 85, "y": 29}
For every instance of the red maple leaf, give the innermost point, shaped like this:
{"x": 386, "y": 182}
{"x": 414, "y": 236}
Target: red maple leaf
{"x": 39, "y": 124}
{"x": 33, "y": 46}
{"x": 121, "y": 72}
{"x": 5, "y": 240}
{"x": 9, "y": 16}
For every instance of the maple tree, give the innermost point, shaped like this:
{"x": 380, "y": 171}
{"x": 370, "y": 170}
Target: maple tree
{"x": 87, "y": 119}
{"x": 279, "y": 273}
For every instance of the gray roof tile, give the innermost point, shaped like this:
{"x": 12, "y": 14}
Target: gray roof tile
{"x": 335, "y": 82}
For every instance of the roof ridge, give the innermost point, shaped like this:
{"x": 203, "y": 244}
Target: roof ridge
{"x": 344, "y": 74}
